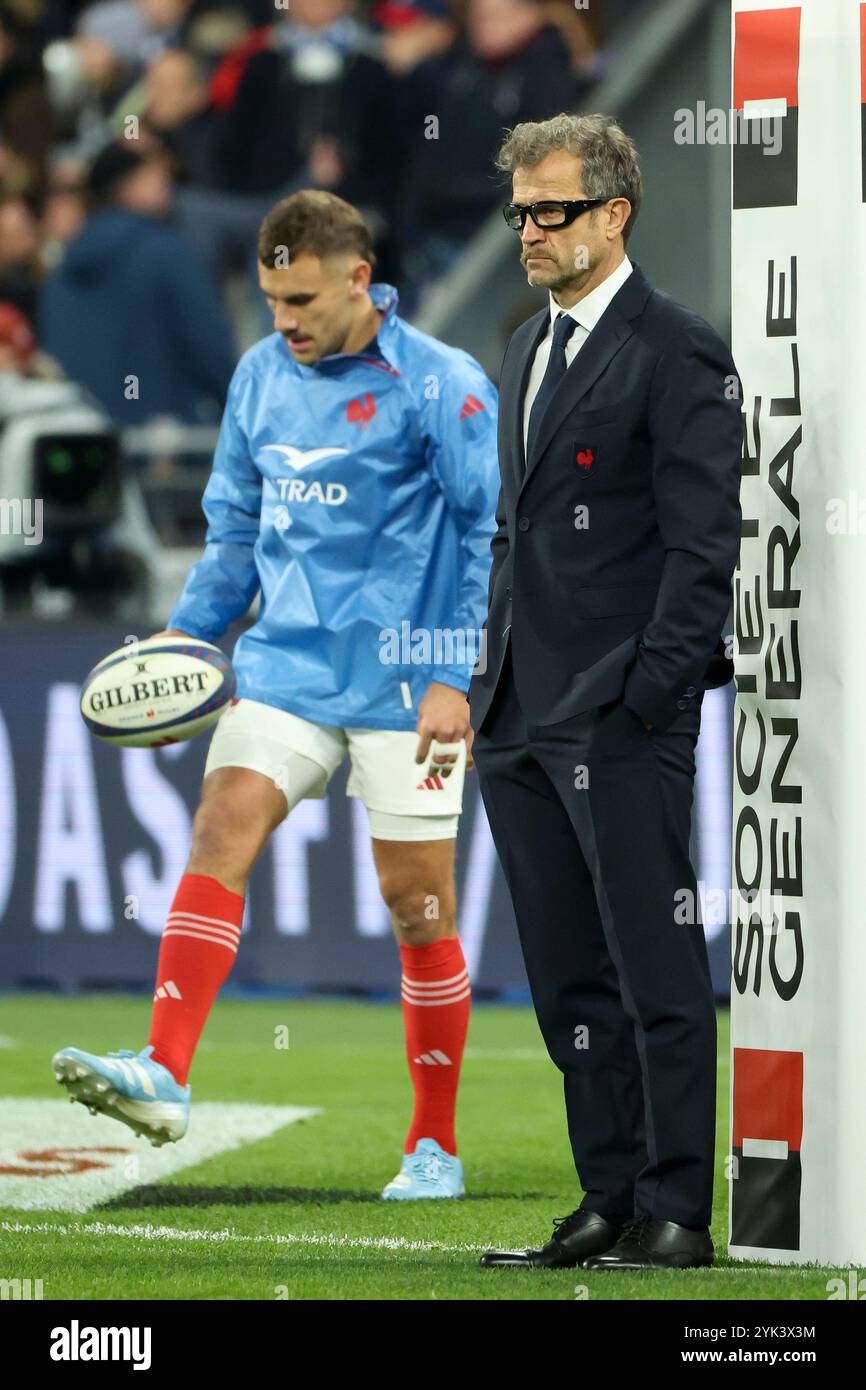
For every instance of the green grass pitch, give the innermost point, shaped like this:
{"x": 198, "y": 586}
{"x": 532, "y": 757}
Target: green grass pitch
{"x": 297, "y": 1215}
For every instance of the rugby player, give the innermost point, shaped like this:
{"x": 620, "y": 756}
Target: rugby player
{"x": 354, "y": 488}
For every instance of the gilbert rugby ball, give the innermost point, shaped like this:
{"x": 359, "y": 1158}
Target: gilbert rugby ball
{"x": 162, "y": 690}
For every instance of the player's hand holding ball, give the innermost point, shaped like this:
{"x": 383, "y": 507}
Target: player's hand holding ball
{"x": 165, "y": 689}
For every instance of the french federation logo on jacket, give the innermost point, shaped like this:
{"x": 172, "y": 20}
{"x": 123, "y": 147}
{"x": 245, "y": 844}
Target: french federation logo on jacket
{"x": 358, "y": 496}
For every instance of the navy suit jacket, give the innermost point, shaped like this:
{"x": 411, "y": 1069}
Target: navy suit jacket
{"x": 617, "y": 540}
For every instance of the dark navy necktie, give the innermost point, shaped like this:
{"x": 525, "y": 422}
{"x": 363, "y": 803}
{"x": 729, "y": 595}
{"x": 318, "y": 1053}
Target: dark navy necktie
{"x": 563, "y": 328}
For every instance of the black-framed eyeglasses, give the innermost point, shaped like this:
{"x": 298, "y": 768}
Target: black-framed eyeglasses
{"x": 547, "y": 213}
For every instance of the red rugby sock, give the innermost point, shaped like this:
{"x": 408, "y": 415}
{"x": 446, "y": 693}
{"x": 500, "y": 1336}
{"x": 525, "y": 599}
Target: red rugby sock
{"x": 197, "y": 952}
{"x": 436, "y": 1004}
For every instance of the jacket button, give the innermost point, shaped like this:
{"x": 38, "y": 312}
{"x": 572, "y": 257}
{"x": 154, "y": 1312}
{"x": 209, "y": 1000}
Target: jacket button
{"x": 682, "y": 704}
{"x": 523, "y": 523}
{"x": 508, "y": 593}
{"x": 691, "y": 690}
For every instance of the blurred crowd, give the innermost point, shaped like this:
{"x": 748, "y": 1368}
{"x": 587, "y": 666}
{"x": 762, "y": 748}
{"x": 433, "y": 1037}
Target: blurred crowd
{"x": 141, "y": 141}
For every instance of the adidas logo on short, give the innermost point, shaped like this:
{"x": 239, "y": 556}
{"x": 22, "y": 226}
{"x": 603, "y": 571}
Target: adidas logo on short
{"x": 434, "y": 1058}
{"x": 433, "y": 783}
{"x": 168, "y": 991}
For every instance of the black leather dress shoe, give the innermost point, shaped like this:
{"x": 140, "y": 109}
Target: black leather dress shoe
{"x": 574, "y": 1237}
{"x": 649, "y": 1244}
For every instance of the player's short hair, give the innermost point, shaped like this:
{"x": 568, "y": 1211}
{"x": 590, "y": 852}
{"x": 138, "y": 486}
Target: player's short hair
{"x": 314, "y": 221}
{"x": 610, "y": 159}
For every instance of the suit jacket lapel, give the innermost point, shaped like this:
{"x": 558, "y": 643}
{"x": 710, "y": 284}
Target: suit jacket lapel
{"x": 513, "y": 393}
{"x": 604, "y": 342}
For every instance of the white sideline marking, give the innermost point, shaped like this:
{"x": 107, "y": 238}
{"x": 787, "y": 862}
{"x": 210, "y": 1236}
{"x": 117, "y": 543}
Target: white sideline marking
{"x": 333, "y": 1242}
{"x": 102, "y": 1228}
{"x": 47, "y": 1143}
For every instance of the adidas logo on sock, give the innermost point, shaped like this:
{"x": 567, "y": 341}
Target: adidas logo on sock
{"x": 434, "y": 1058}
{"x": 168, "y": 991}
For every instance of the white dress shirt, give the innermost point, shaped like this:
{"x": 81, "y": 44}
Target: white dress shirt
{"x": 587, "y": 312}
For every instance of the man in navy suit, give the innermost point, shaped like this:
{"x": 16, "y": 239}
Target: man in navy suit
{"x": 620, "y": 443}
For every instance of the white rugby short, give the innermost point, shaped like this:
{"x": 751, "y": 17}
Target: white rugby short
{"x": 405, "y": 800}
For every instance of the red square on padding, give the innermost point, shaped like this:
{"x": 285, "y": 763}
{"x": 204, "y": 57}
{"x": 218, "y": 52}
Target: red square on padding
{"x": 768, "y": 1096}
{"x": 766, "y": 56}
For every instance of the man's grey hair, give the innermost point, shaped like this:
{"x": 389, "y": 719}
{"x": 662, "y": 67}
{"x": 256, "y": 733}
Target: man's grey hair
{"x": 610, "y": 161}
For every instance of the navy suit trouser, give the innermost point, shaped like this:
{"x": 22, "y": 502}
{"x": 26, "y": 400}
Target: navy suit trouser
{"x": 591, "y": 819}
